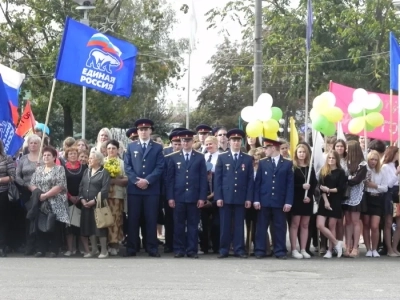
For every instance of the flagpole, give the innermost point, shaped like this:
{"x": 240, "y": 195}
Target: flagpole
{"x": 307, "y": 85}
{"x": 47, "y": 118}
{"x": 188, "y": 90}
{"x": 391, "y": 116}
{"x": 311, "y": 163}
{"x": 398, "y": 108}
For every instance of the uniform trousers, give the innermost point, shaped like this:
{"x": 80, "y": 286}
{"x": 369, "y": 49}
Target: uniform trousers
{"x": 150, "y": 206}
{"x": 186, "y": 215}
{"x": 264, "y": 217}
{"x": 169, "y": 224}
{"x": 229, "y": 233}
{"x": 4, "y": 217}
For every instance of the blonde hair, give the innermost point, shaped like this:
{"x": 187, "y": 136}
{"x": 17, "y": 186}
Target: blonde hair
{"x": 68, "y": 142}
{"x": 375, "y": 153}
{"x": 211, "y": 139}
{"x": 326, "y": 169}
{"x": 107, "y": 132}
{"x": 296, "y": 158}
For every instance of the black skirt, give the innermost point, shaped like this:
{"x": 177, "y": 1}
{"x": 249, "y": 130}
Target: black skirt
{"x": 374, "y": 203}
{"x": 88, "y": 224}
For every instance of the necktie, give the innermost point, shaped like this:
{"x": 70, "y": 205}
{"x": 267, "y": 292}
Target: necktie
{"x": 144, "y": 147}
{"x": 236, "y": 159}
{"x": 187, "y": 157}
{"x": 209, "y": 158}
{"x": 275, "y": 164}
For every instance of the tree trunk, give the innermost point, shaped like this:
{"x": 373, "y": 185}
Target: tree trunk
{"x": 68, "y": 122}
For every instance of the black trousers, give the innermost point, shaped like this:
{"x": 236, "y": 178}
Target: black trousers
{"x": 30, "y": 239}
{"x": 168, "y": 224}
{"x": 50, "y": 241}
{"x": 4, "y": 217}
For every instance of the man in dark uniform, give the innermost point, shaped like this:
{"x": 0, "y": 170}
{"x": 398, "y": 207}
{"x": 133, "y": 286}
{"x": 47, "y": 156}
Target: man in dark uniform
{"x": 273, "y": 197}
{"x": 169, "y": 150}
{"x": 234, "y": 189}
{"x": 169, "y": 216}
{"x": 186, "y": 191}
{"x": 144, "y": 166}
{"x": 203, "y": 131}
{"x": 132, "y": 134}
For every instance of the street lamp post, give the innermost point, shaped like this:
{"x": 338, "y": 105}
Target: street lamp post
{"x": 85, "y": 6}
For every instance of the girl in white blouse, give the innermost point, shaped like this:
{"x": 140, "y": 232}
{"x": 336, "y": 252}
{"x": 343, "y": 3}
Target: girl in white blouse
{"x": 375, "y": 187}
{"x": 391, "y": 174}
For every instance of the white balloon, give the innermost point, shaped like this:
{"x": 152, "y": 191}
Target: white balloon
{"x": 355, "y": 108}
{"x": 262, "y": 111}
{"x": 360, "y": 96}
{"x": 248, "y": 114}
{"x": 331, "y": 98}
{"x": 265, "y": 99}
{"x": 372, "y": 101}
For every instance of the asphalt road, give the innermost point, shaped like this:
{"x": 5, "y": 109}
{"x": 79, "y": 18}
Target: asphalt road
{"x": 205, "y": 278}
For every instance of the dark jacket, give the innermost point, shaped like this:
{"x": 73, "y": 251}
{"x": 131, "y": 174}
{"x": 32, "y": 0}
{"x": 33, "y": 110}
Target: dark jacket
{"x": 33, "y": 210}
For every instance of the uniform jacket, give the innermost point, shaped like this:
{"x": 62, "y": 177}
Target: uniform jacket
{"x": 274, "y": 186}
{"x": 234, "y": 182}
{"x": 148, "y": 165}
{"x": 187, "y": 183}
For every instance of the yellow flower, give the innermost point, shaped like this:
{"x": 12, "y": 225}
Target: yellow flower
{"x": 113, "y": 167}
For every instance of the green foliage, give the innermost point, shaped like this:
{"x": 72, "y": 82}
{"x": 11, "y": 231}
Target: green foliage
{"x": 349, "y": 46}
{"x": 29, "y": 42}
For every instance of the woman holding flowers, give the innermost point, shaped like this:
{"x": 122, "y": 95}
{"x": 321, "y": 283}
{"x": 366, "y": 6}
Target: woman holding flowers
{"x": 115, "y": 166}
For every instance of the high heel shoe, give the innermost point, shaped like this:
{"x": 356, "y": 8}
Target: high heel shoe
{"x": 354, "y": 253}
{"x": 346, "y": 252}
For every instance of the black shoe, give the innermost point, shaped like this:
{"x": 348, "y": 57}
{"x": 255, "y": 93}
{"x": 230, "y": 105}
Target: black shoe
{"x": 40, "y": 254}
{"x": 168, "y": 250}
{"x": 240, "y": 255}
{"x": 310, "y": 253}
{"x": 156, "y": 254}
{"x": 222, "y": 256}
{"x": 260, "y": 256}
{"x": 382, "y": 251}
{"x": 160, "y": 242}
{"x": 3, "y": 253}
{"x": 282, "y": 257}
{"x": 194, "y": 255}
{"x": 52, "y": 255}
{"x": 179, "y": 255}
{"x": 130, "y": 254}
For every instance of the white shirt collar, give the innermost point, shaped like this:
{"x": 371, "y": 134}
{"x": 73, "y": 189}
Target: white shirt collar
{"x": 189, "y": 152}
{"x": 142, "y": 141}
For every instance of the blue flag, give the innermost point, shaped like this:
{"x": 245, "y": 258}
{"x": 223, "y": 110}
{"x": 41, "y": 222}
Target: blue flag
{"x": 11, "y": 141}
{"x": 394, "y": 62}
{"x": 95, "y": 60}
{"x": 310, "y": 20}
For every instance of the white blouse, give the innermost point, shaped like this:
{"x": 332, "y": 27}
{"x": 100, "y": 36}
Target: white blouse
{"x": 390, "y": 174}
{"x": 379, "y": 179}
{"x": 214, "y": 158}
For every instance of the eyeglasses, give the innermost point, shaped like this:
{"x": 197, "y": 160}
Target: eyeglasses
{"x": 221, "y": 134}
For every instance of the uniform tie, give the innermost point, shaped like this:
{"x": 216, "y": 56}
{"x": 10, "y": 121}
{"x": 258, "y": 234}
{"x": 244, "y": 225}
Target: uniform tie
{"x": 187, "y": 157}
{"x": 144, "y": 147}
{"x": 209, "y": 158}
{"x": 236, "y": 159}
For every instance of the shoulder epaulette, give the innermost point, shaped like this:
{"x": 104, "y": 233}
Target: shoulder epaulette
{"x": 198, "y": 152}
{"x": 172, "y": 153}
{"x": 245, "y": 153}
{"x": 264, "y": 158}
{"x": 223, "y": 152}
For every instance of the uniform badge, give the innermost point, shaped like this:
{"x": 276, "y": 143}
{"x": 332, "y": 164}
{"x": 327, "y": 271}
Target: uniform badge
{"x": 135, "y": 153}
{"x": 179, "y": 165}
{"x": 227, "y": 166}
{"x": 265, "y": 172}
{"x": 242, "y": 167}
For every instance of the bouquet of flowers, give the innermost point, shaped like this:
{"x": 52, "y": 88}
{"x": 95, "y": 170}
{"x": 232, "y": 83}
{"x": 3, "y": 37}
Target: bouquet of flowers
{"x": 113, "y": 167}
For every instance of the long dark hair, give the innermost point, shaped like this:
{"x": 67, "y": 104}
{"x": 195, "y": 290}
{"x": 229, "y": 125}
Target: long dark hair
{"x": 354, "y": 156}
{"x": 390, "y": 152}
{"x": 340, "y": 141}
{"x": 258, "y": 144}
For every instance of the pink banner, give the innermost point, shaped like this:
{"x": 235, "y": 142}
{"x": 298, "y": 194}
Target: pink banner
{"x": 344, "y": 96}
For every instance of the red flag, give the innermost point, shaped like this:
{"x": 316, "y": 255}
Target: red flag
{"x": 27, "y": 121}
{"x": 14, "y": 113}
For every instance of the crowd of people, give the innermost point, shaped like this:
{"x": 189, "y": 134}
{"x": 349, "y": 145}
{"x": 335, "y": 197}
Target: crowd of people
{"x": 212, "y": 190}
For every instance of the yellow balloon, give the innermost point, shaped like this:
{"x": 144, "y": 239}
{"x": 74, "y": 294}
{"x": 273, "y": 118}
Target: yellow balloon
{"x": 271, "y": 126}
{"x": 320, "y": 103}
{"x": 356, "y": 125}
{"x": 334, "y": 114}
{"x": 254, "y": 129}
{"x": 375, "y": 119}
{"x": 271, "y": 135}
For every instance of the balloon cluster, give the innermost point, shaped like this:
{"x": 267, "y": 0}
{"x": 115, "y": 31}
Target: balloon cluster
{"x": 325, "y": 114}
{"x": 262, "y": 118}
{"x": 365, "y": 110}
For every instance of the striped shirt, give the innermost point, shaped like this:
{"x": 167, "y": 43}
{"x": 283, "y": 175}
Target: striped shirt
{"x": 7, "y": 168}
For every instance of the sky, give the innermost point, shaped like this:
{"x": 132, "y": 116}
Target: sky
{"x": 207, "y": 42}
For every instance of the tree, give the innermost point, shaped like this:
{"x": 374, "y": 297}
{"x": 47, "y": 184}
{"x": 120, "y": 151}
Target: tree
{"x": 349, "y": 45}
{"x": 29, "y": 41}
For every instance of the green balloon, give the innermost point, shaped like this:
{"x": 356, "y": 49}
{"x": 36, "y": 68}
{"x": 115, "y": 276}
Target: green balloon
{"x": 378, "y": 109}
{"x": 353, "y": 115}
{"x": 320, "y": 123}
{"x": 369, "y": 127}
{"x": 330, "y": 129}
{"x": 276, "y": 113}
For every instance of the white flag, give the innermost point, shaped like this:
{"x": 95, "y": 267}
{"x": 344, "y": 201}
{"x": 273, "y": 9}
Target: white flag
{"x": 193, "y": 27}
{"x": 340, "y": 133}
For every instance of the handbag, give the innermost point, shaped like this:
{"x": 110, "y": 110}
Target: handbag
{"x": 13, "y": 192}
{"x": 103, "y": 215}
{"x": 74, "y": 216}
{"x": 46, "y": 222}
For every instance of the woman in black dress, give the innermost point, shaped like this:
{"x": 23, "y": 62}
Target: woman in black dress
{"x": 73, "y": 171}
{"x": 332, "y": 185}
{"x": 302, "y": 204}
